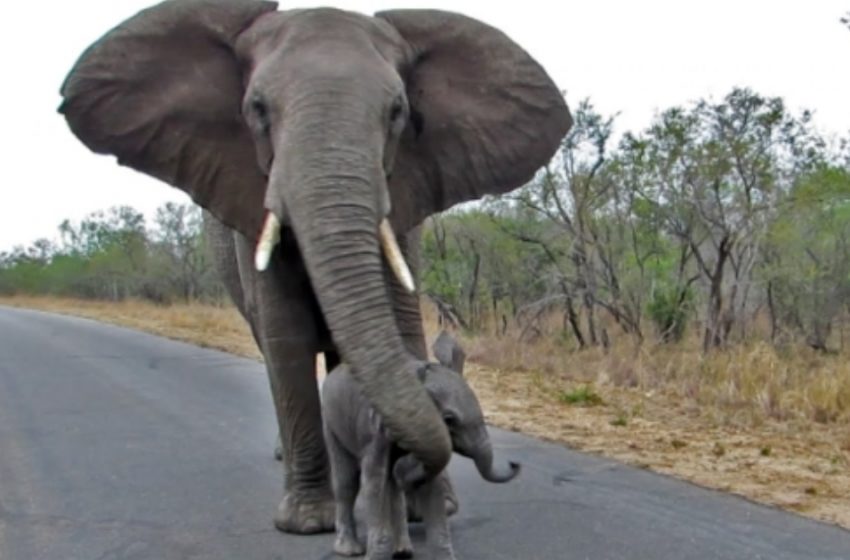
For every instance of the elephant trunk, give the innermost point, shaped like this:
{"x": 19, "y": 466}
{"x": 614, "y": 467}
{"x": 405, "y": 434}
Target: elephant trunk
{"x": 483, "y": 457}
{"x": 331, "y": 197}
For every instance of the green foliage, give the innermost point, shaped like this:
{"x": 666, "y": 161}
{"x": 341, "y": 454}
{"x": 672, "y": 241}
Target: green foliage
{"x": 583, "y": 395}
{"x": 112, "y": 255}
{"x": 473, "y": 264}
{"x": 669, "y": 309}
{"x": 621, "y": 420}
{"x": 718, "y": 211}
{"x": 807, "y": 255}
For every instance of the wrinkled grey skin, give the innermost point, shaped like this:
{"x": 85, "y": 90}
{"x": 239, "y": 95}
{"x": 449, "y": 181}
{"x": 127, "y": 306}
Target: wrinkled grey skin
{"x": 414, "y": 504}
{"x": 331, "y": 120}
{"x": 450, "y": 354}
{"x": 362, "y": 453}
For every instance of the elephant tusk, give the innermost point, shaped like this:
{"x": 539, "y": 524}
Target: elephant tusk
{"x": 395, "y": 257}
{"x": 269, "y": 237}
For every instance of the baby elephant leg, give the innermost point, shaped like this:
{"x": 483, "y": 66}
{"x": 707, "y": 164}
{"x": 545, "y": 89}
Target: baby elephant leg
{"x": 376, "y": 486}
{"x": 403, "y": 548}
{"x": 345, "y": 477}
{"x": 437, "y": 534}
{"x": 449, "y": 353}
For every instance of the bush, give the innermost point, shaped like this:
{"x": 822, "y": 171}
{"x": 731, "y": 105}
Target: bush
{"x": 669, "y": 310}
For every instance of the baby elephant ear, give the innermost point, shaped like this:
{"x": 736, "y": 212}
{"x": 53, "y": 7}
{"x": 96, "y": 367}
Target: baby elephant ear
{"x": 163, "y": 92}
{"x": 448, "y": 352}
{"x": 485, "y": 114}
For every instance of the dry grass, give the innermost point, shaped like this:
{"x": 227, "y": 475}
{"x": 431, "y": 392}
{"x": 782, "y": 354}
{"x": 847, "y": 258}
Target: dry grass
{"x": 205, "y": 325}
{"x": 774, "y": 428}
{"x": 769, "y": 426}
{"x": 744, "y": 386}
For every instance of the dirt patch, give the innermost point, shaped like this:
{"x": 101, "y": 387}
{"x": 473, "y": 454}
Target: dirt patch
{"x": 795, "y": 464}
{"x": 804, "y": 468}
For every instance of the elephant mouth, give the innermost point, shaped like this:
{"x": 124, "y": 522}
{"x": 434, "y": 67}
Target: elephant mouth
{"x": 270, "y": 237}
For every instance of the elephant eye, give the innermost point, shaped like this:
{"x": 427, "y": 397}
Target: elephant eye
{"x": 450, "y": 419}
{"x": 261, "y": 112}
{"x": 395, "y": 110}
{"x": 259, "y": 107}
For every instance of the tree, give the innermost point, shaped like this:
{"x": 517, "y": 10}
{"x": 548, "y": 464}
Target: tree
{"x": 807, "y": 257}
{"x": 587, "y": 197}
{"x": 718, "y": 172}
{"x": 111, "y": 255}
{"x": 474, "y": 271}
{"x": 178, "y": 248}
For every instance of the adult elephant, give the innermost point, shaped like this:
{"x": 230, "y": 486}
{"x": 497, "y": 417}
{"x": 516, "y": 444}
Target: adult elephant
{"x": 340, "y": 128}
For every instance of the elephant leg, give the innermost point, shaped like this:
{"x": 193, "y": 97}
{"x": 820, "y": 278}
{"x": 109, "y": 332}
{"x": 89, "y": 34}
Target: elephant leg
{"x": 376, "y": 487}
{"x": 402, "y": 547}
{"x": 331, "y": 361}
{"x": 408, "y": 314}
{"x": 286, "y": 321}
{"x": 345, "y": 476}
{"x": 437, "y": 534}
{"x": 222, "y": 241}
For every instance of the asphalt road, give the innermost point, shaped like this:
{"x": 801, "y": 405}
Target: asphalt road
{"x": 120, "y": 445}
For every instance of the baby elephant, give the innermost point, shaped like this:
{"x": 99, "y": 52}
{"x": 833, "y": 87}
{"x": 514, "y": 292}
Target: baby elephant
{"x": 360, "y": 450}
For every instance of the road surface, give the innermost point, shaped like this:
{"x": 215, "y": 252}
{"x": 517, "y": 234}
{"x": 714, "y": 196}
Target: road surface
{"x": 116, "y": 444}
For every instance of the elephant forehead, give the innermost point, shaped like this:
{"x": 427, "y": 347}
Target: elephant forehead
{"x": 306, "y": 30}
{"x": 449, "y": 387}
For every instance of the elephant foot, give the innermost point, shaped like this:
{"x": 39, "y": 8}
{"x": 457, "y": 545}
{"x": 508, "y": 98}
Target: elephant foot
{"x": 347, "y": 545}
{"x": 403, "y": 549}
{"x": 305, "y": 515}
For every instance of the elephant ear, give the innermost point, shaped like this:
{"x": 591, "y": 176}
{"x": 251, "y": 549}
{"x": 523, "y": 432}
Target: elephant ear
{"x": 163, "y": 92}
{"x": 448, "y": 352}
{"x": 485, "y": 115}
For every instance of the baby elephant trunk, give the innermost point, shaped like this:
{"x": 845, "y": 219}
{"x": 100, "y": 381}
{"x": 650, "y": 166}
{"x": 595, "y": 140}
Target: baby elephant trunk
{"x": 483, "y": 457}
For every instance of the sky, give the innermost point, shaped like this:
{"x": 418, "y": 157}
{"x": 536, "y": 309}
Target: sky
{"x": 630, "y": 57}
